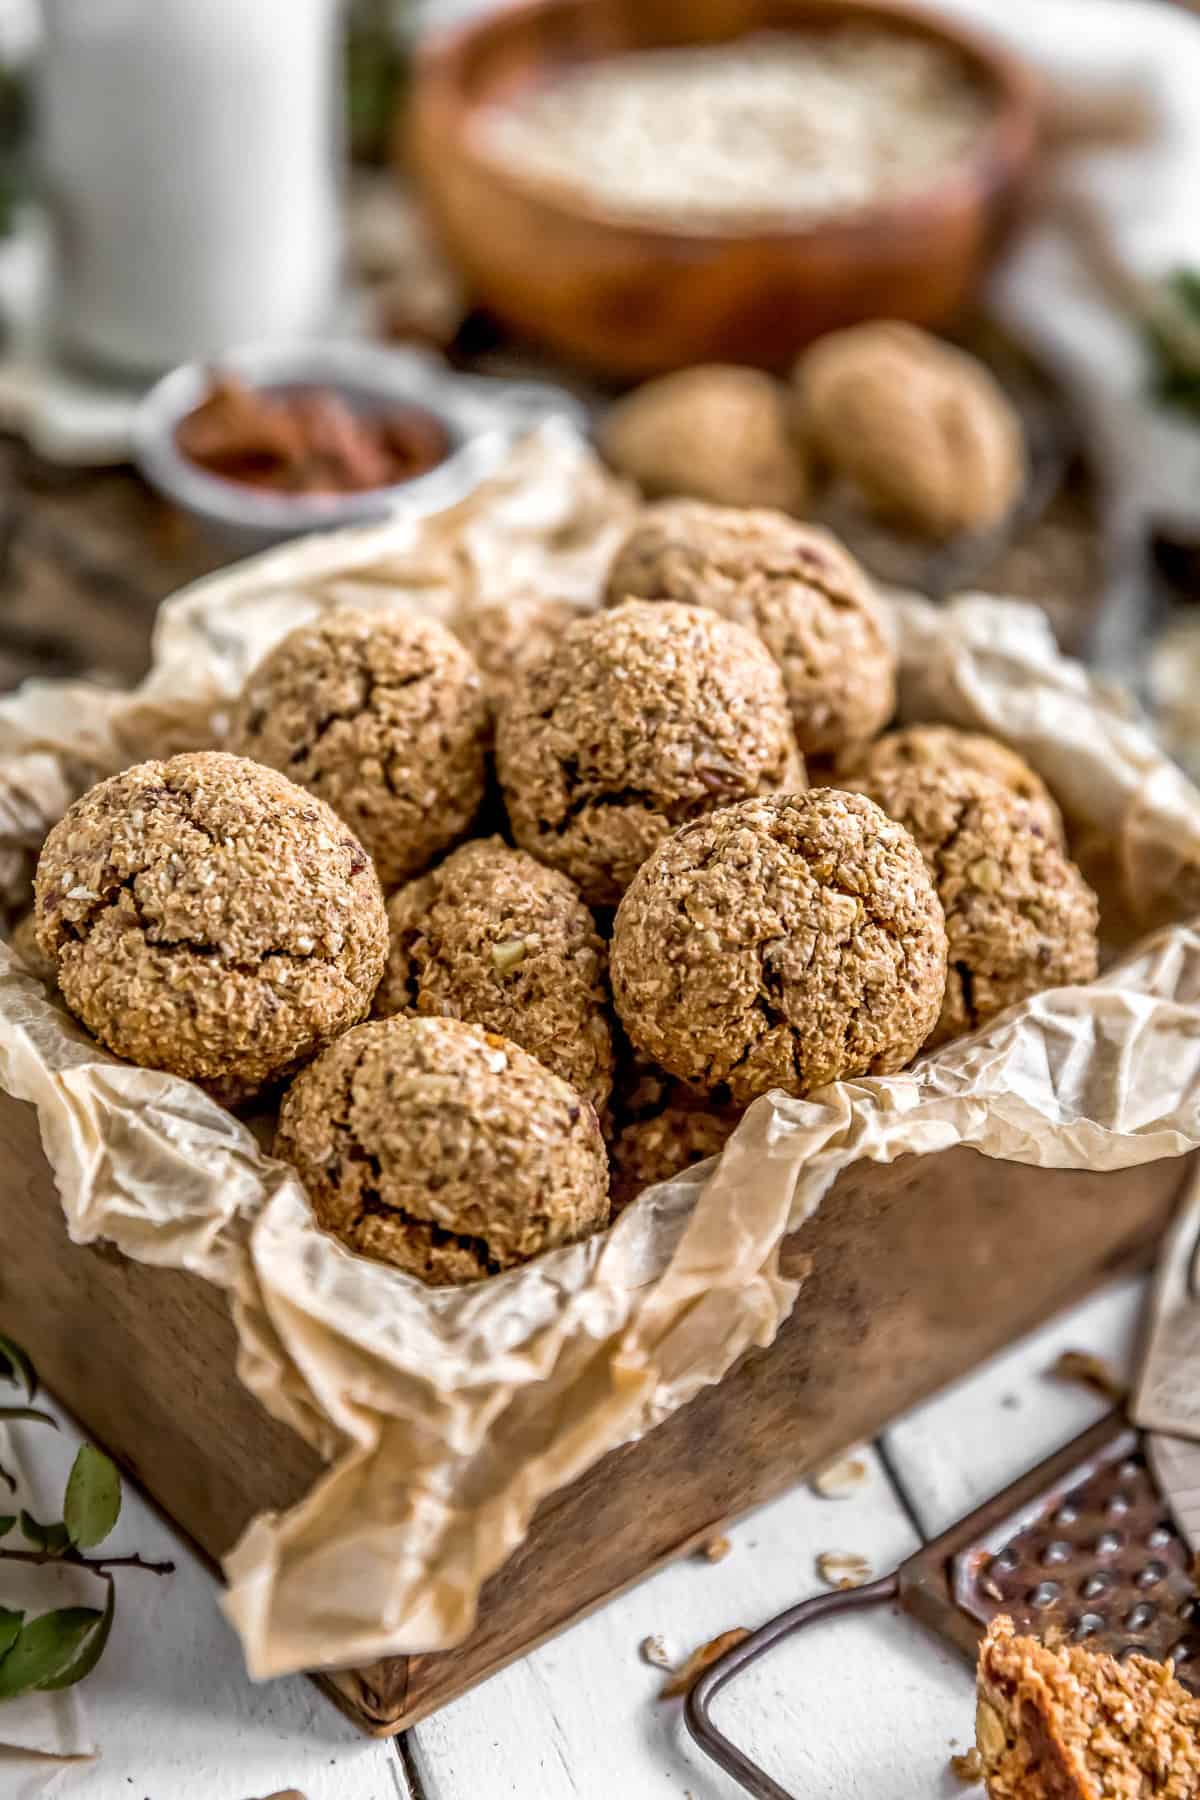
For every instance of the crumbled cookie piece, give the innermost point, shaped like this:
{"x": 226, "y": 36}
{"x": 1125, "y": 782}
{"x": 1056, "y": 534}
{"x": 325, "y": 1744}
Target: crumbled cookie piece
{"x": 495, "y": 937}
{"x": 923, "y": 430}
{"x": 504, "y": 636}
{"x": 718, "y": 432}
{"x": 383, "y": 716}
{"x": 785, "y": 942}
{"x": 946, "y": 750}
{"x": 443, "y": 1149}
{"x": 635, "y": 721}
{"x": 1019, "y": 915}
{"x": 1071, "y": 1724}
{"x": 795, "y": 587}
{"x": 208, "y": 917}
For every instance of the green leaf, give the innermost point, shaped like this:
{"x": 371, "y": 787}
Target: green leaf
{"x": 9, "y": 1413}
{"x": 7, "y": 1521}
{"x": 91, "y": 1649}
{"x": 54, "y": 1538}
{"x": 93, "y": 1499}
{"x": 47, "y": 1649}
{"x": 16, "y": 1366}
{"x": 10, "y": 1629}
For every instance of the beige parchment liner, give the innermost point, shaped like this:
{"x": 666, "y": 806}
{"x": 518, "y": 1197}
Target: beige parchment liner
{"x": 446, "y": 1416}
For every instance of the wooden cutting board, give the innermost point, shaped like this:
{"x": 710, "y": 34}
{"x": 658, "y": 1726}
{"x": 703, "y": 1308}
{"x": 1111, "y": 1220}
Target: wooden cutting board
{"x": 916, "y": 1271}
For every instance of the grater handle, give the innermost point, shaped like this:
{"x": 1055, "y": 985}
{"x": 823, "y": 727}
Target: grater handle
{"x": 696, "y": 1713}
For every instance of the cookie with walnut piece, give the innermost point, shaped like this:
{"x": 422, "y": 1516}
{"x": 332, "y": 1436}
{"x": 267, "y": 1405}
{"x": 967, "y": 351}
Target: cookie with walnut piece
{"x": 494, "y": 937}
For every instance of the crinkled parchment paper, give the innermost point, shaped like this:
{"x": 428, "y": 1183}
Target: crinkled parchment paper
{"x": 446, "y": 1416}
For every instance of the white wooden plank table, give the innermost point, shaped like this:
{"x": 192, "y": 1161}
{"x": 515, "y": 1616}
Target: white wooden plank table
{"x": 869, "y": 1705}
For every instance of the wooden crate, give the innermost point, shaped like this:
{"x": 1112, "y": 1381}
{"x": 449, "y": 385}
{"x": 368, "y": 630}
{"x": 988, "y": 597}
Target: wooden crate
{"x": 918, "y": 1270}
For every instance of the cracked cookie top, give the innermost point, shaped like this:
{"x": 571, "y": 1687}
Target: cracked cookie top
{"x": 495, "y": 937}
{"x": 635, "y": 721}
{"x": 1019, "y": 915}
{"x": 443, "y": 1149}
{"x": 795, "y": 587}
{"x": 946, "y": 750}
{"x": 782, "y": 943}
{"x": 208, "y": 917}
{"x": 383, "y": 716}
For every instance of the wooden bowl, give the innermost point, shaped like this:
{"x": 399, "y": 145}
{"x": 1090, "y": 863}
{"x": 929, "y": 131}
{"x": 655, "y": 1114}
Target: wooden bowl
{"x": 632, "y": 300}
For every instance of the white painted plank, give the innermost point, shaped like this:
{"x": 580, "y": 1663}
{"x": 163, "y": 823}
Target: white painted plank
{"x": 169, "y": 1705}
{"x": 579, "y": 1720}
{"x": 975, "y": 1437}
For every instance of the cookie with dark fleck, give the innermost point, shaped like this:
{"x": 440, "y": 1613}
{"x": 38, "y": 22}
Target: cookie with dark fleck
{"x": 208, "y": 917}
{"x": 443, "y": 1149}
{"x": 495, "y": 937}
{"x": 383, "y": 716}
{"x": 785, "y": 943}
{"x": 635, "y": 721}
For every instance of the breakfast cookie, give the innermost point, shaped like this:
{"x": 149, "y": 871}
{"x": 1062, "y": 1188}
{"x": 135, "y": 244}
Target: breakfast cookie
{"x": 785, "y": 942}
{"x": 208, "y": 917}
{"x": 636, "y": 720}
{"x": 443, "y": 1149}
{"x": 497, "y": 938}
{"x": 791, "y": 584}
{"x": 383, "y": 716}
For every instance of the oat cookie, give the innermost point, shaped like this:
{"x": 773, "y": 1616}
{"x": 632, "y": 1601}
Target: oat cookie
{"x": 782, "y": 943}
{"x": 665, "y": 1143}
{"x": 504, "y": 636}
{"x": 795, "y": 587}
{"x": 635, "y": 721}
{"x": 495, "y": 937}
{"x": 945, "y": 749}
{"x": 443, "y": 1149}
{"x": 1071, "y": 1724}
{"x": 718, "y": 432}
{"x": 383, "y": 716}
{"x": 208, "y": 917}
{"x": 923, "y": 430}
{"x": 1019, "y": 915}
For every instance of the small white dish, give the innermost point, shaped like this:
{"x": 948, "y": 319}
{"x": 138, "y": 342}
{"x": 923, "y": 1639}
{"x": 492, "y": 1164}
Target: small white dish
{"x": 481, "y": 416}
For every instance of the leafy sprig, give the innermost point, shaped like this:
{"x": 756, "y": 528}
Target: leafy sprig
{"x": 57, "y": 1649}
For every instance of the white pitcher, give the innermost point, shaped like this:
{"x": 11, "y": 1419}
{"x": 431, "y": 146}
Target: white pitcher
{"x": 190, "y": 152}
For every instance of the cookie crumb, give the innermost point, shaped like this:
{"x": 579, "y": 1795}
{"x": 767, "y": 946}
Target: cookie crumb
{"x": 652, "y": 1650}
{"x": 715, "y": 1550}
{"x": 1090, "y": 1371}
{"x": 968, "y": 1767}
{"x": 701, "y": 1659}
{"x": 839, "y": 1480}
{"x": 843, "y": 1569}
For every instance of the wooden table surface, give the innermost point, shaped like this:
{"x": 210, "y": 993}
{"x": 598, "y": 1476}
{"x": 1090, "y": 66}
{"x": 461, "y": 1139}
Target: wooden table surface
{"x": 871, "y": 1707}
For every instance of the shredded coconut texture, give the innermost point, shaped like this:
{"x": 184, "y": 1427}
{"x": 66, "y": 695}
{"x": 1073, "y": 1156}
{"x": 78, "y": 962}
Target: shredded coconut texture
{"x": 383, "y": 716}
{"x": 443, "y": 1149}
{"x": 947, "y": 751}
{"x": 495, "y": 937}
{"x": 666, "y": 1143}
{"x": 795, "y": 587}
{"x": 208, "y": 917}
{"x": 1019, "y": 915}
{"x": 783, "y": 943}
{"x": 1069, "y": 1724}
{"x": 505, "y": 636}
{"x": 637, "y": 720}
